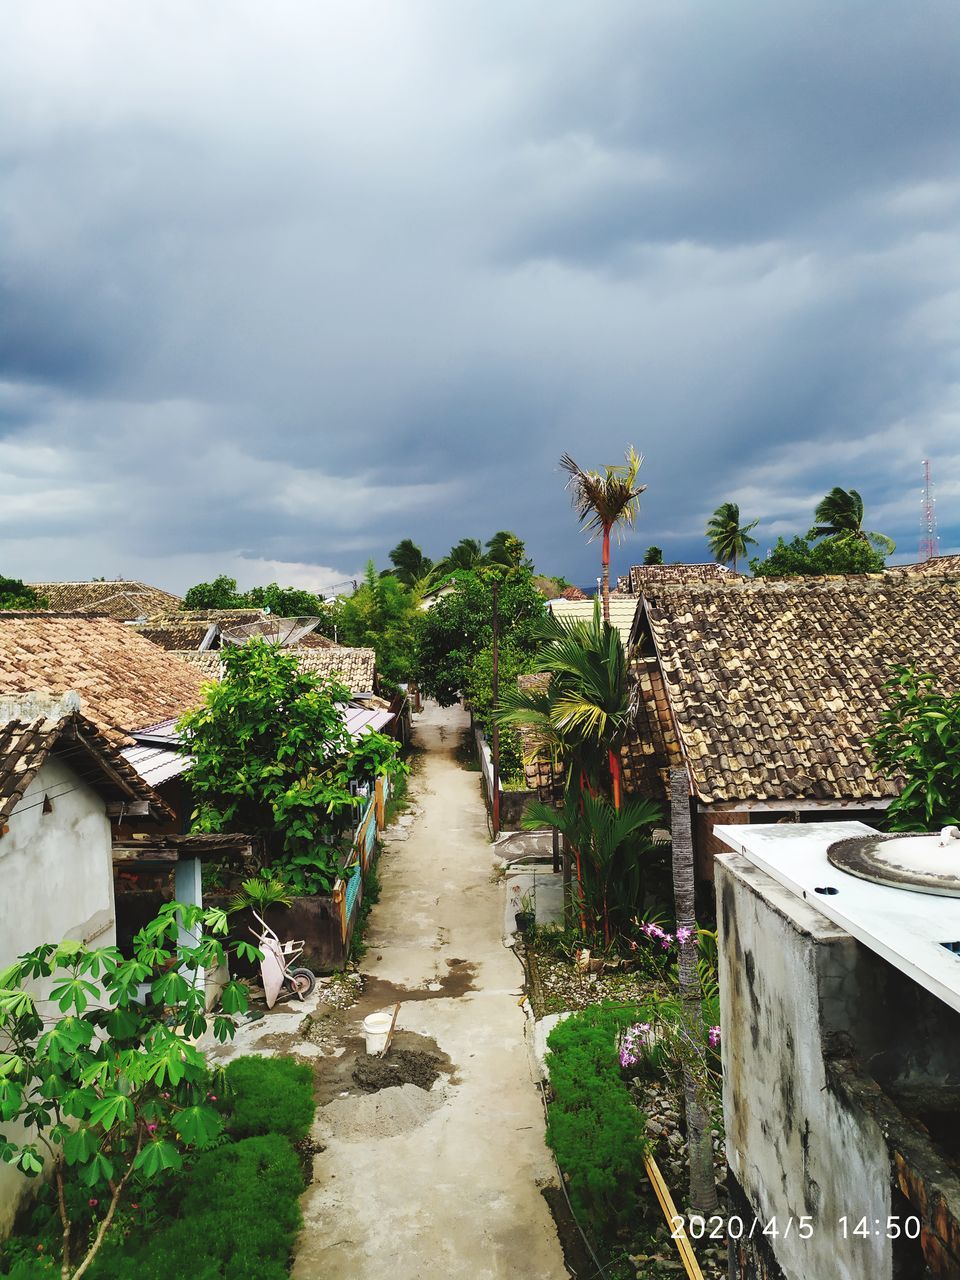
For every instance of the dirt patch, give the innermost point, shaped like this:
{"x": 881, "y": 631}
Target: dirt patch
{"x": 401, "y": 1066}
{"x": 378, "y": 993}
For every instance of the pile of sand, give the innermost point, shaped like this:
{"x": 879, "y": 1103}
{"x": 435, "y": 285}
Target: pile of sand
{"x": 384, "y": 1114}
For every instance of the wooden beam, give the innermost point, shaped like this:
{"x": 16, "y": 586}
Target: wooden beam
{"x": 133, "y": 808}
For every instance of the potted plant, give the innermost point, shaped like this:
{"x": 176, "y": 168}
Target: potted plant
{"x": 524, "y": 909}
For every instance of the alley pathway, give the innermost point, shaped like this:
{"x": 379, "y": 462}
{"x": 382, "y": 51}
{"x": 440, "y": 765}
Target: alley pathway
{"x": 441, "y": 1185}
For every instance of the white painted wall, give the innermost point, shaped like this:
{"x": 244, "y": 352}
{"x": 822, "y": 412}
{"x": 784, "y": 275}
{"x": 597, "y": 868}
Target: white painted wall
{"x": 795, "y": 1148}
{"x": 56, "y": 881}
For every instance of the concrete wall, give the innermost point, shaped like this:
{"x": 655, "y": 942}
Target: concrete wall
{"x": 56, "y": 881}
{"x": 793, "y": 1146}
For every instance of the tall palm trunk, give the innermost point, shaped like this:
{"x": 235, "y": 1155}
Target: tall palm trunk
{"x": 703, "y": 1186}
{"x": 605, "y": 578}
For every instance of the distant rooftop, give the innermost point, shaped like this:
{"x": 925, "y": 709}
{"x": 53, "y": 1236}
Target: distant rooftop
{"x": 119, "y": 598}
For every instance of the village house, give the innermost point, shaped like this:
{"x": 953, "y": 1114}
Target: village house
{"x": 63, "y": 788}
{"x": 769, "y": 689}
{"x": 116, "y": 598}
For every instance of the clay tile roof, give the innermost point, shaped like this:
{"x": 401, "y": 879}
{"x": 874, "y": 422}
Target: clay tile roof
{"x": 174, "y": 635}
{"x": 119, "y": 599}
{"x": 573, "y": 593}
{"x": 124, "y": 681}
{"x": 25, "y": 746}
{"x": 314, "y": 640}
{"x": 355, "y": 667}
{"x": 939, "y": 565}
{"x": 775, "y": 685}
{"x": 645, "y": 577}
{"x": 622, "y": 612}
{"x": 206, "y": 661}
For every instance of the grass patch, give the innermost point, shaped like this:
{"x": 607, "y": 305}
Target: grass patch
{"x": 269, "y": 1095}
{"x": 233, "y": 1212}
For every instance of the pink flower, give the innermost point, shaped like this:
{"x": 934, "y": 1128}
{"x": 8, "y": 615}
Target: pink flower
{"x": 714, "y": 1037}
{"x": 684, "y": 934}
{"x": 93, "y": 1203}
{"x": 151, "y": 1128}
{"x": 211, "y": 1097}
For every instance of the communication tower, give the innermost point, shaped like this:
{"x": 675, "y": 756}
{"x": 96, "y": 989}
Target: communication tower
{"x": 929, "y": 539}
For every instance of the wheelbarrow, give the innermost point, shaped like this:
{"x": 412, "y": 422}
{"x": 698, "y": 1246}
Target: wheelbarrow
{"x": 278, "y": 966}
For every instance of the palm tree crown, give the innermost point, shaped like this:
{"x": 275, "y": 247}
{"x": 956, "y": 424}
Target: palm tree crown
{"x": 840, "y": 515}
{"x": 729, "y": 539}
{"x": 604, "y": 500}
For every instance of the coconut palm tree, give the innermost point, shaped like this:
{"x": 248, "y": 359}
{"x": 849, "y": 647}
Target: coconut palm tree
{"x": 467, "y": 554}
{"x": 410, "y": 565}
{"x": 729, "y": 539}
{"x": 606, "y": 500}
{"x": 840, "y": 515}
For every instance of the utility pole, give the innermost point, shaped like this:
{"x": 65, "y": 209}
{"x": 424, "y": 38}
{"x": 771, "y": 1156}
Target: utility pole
{"x": 495, "y": 799}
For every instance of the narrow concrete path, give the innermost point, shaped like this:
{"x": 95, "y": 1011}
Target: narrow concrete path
{"x": 442, "y": 1185}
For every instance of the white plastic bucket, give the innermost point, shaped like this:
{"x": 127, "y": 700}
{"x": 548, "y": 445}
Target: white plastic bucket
{"x": 376, "y": 1028}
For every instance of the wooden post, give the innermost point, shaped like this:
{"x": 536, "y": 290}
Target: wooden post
{"x": 703, "y": 1185}
{"x": 380, "y": 805}
{"x": 188, "y": 889}
{"x": 495, "y": 799}
{"x": 556, "y": 850}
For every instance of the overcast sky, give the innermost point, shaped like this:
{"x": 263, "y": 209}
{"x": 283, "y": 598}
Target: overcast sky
{"x": 284, "y": 283}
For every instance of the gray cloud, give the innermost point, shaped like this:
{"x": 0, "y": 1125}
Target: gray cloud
{"x": 282, "y": 287}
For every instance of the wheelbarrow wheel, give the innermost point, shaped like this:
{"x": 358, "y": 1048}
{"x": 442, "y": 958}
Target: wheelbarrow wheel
{"x": 302, "y": 982}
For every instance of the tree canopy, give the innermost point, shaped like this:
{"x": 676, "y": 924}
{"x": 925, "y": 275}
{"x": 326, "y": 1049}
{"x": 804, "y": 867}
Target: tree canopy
{"x": 382, "y": 614}
{"x": 837, "y": 555}
{"x": 459, "y": 627}
{"x": 15, "y": 595}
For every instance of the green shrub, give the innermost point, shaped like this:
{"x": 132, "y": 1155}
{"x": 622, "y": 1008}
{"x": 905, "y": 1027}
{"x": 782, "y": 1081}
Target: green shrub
{"x": 269, "y": 1095}
{"x": 239, "y": 1215}
{"x": 596, "y": 1132}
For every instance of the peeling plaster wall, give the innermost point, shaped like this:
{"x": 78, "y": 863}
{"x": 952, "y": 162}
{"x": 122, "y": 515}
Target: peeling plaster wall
{"x": 794, "y": 1148}
{"x": 56, "y": 881}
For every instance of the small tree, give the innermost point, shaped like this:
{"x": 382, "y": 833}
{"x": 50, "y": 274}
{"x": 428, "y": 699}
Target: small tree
{"x": 219, "y": 594}
{"x": 113, "y": 1087}
{"x": 919, "y": 739}
{"x": 653, "y": 555}
{"x": 271, "y": 756}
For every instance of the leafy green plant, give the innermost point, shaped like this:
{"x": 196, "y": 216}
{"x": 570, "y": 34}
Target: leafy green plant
{"x": 612, "y": 846}
{"x": 918, "y": 738}
{"x": 110, "y": 1083}
{"x": 271, "y": 756}
{"x": 596, "y": 1132}
{"x": 268, "y": 1095}
{"x": 261, "y": 892}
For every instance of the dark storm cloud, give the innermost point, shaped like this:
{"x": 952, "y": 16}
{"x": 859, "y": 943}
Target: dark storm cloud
{"x": 279, "y": 293}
